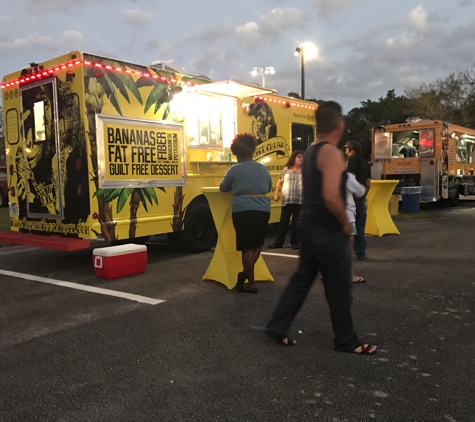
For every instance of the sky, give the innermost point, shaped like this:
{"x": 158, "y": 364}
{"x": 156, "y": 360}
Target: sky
{"x": 364, "y": 47}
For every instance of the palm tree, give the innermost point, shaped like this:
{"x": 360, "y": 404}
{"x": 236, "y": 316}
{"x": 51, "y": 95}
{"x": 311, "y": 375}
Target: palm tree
{"x": 137, "y": 196}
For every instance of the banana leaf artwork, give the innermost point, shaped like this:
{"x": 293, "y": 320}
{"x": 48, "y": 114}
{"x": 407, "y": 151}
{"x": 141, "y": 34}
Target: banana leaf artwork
{"x": 163, "y": 92}
{"x": 137, "y": 196}
{"x": 114, "y": 82}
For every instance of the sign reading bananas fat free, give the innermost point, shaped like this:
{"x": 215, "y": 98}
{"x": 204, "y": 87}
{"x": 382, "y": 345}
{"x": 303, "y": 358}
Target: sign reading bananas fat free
{"x": 139, "y": 152}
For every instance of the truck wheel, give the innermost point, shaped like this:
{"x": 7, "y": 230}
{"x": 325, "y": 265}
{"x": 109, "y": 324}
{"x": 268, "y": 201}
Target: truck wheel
{"x": 199, "y": 233}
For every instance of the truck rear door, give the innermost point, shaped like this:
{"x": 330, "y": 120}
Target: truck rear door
{"x": 41, "y": 165}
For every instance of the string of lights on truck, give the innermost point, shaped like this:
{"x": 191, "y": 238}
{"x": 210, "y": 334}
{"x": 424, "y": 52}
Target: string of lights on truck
{"x": 286, "y": 103}
{"x": 48, "y": 72}
{"x": 44, "y": 73}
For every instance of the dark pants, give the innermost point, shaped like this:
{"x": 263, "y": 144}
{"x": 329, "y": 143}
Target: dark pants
{"x": 327, "y": 251}
{"x": 285, "y": 214}
{"x": 360, "y": 223}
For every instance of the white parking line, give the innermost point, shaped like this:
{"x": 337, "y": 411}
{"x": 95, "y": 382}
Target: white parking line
{"x": 128, "y": 296}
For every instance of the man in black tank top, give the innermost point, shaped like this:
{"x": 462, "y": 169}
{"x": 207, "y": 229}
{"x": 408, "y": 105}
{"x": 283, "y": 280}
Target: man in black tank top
{"x": 324, "y": 232}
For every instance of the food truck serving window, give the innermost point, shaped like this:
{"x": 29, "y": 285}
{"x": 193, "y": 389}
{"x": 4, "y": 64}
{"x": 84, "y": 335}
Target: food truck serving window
{"x": 426, "y": 143}
{"x": 209, "y": 109}
{"x": 213, "y": 123}
{"x": 382, "y": 145}
{"x": 465, "y": 149}
{"x": 39, "y": 119}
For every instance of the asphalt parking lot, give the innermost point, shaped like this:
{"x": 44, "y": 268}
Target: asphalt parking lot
{"x": 200, "y": 353}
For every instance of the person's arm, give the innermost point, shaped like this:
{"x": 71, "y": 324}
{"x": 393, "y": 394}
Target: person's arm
{"x": 279, "y": 184}
{"x": 227, "y": 182}
{"x": 367, "y": 186}
{"x": 278, "y": 187}
{"x": 355, "y": 187}
{"x": 331, "y": 164}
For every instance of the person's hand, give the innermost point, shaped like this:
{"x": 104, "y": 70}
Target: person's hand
{"x": 276, "y": 197}
{"x": 347, "y": 228}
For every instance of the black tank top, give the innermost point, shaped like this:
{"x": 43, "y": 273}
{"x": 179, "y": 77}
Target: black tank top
{"x": 313, "y": 207}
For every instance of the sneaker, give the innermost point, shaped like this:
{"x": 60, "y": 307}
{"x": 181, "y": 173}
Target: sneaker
{"x": 274, "y": 246}
{"x": 362, "y": 258}
{"x": 295, "y": 247}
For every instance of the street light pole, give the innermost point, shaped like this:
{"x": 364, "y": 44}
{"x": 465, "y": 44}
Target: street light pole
{"x": 263, "y": 70}
{"x": 302, "y": 57}
{"x": 300, "y": 50}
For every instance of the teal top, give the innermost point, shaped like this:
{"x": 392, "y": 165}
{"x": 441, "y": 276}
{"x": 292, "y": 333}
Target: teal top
{"x": 248, "y": 178}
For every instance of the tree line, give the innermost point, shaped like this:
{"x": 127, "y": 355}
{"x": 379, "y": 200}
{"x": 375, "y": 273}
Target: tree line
{"x": 451, "y": 99}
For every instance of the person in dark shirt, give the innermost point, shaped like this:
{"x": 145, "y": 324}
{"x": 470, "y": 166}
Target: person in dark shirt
{"x": 408, "y": 150}
{"x": 324, "y": 231}
{"x": 362, "y": 171}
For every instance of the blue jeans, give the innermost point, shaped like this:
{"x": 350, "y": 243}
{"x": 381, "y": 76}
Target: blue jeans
{"x": 360, "y": 222}
{"x": 328, "y": 251}
{"x": 286, "y": 212}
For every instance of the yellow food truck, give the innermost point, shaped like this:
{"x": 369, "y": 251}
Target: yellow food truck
{"x": 435, "y": 155}
{"x": 97, "y": 148}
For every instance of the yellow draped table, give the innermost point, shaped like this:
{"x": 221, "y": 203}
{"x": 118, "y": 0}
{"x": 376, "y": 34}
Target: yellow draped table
{"x": 378, "y": 219}
{"x": 226, "y": 262}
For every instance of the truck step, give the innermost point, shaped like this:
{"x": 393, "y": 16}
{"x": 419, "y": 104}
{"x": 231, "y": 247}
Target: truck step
{"x": 49, "y": 242}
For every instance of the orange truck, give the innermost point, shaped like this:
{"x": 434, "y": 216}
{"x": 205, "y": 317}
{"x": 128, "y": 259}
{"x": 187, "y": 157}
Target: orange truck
{"x": 97, "y": 148}
{"x": 432, "y": 154}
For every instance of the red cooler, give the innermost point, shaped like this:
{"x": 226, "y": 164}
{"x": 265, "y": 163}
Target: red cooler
{"x": 119, "y": 261}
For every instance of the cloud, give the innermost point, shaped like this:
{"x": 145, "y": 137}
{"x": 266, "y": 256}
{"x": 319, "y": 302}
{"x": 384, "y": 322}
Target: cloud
{"x": 394, "y": 56}
{"x": 212, "y": 34}
{"x": 248, "y": 28}
{"x": 248, "y": 34}
{"x": 270, "y": 27}
{"x": 35, "y": 41}
{"x": 418, "y": 18}
{"x": 279, "y": 20}
{"x": 160, "y": 45}
{"x": 137, "y": 17}
{"x": 72, "y": 36}
{"x": 215, "y": 62}
{"x": 331, "y": 7}
{"x": 47, "y": 6}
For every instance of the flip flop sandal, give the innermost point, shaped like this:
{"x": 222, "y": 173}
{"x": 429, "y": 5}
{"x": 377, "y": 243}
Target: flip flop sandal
{"x": 282, "y": 340}
{"x": 359, "y": 280}
{"x": 287, "y": 341}
{"x": 365, "y": 350}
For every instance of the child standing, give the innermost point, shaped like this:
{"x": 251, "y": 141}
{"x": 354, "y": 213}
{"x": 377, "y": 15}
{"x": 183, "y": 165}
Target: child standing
{"x": 354, "y": 189}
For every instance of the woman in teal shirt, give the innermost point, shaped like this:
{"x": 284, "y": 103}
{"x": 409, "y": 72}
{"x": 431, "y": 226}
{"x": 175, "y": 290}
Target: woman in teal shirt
{"x": 250, "y": 182}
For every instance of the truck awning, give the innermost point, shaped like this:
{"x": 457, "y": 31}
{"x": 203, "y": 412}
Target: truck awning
{"x": 232, "y": 88}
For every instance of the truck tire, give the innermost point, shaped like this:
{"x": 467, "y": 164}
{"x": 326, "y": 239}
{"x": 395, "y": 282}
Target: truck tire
{"x": 199, "y": 233}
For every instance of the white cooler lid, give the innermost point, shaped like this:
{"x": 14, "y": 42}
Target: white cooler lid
{"x": 119, "y": 249}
